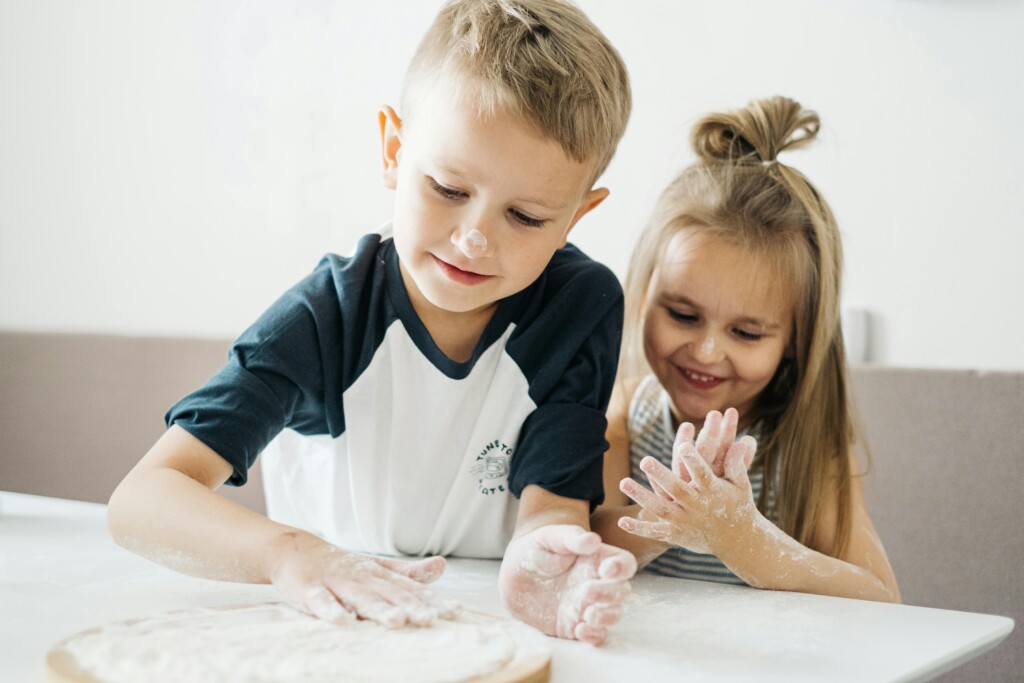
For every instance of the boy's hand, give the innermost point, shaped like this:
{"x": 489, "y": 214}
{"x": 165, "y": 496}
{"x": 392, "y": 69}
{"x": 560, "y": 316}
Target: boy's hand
{"x": 336, "y": 586}
{"x": 564, "y": 581}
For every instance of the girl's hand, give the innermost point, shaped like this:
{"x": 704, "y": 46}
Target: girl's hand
{"x": 713, "y": 443}
{"x": 337, "y": 586}
{"x": 699, "y": 513}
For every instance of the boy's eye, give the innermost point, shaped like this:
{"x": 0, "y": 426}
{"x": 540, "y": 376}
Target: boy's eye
{"x": 681, "y": 316}
{"x": 528, "y": 221}
{"x": 445, "y": 191}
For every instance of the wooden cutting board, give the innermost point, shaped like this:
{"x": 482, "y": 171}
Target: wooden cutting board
{"x": 73, "y": 660}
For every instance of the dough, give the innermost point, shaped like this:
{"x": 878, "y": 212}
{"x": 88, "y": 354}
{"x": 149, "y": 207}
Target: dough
{"x": 273, "y": 642}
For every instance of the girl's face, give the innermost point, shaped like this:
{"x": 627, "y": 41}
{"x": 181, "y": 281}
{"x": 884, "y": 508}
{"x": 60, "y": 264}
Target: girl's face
{"x": 717, "y": 323}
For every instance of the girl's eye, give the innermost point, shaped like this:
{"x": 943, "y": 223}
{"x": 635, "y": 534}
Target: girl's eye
{"x": 682, "y": 317}
{"x": 446, "y": 192}
{"x": 528, "y": 221}
{"x": 748, "y": 336}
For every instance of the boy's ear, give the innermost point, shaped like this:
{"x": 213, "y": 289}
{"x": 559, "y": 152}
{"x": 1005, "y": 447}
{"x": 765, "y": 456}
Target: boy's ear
{"x": 390, "y": 144}
{"x": 590, "y": 201}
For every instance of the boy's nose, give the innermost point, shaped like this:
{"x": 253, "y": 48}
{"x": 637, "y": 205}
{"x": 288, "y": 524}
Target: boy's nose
{"x": 472, "y": 243}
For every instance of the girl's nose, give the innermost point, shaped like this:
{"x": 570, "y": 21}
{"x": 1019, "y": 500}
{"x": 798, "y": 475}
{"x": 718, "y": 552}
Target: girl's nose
{"x": 707, "y": 350}
{"x": 472, "y": 243}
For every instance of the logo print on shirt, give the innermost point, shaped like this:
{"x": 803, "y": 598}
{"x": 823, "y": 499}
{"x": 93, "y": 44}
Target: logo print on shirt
{"x": 491, "y": 466}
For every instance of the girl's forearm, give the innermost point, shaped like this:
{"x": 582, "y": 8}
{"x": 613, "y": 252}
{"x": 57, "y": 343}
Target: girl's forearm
{"x": 605, "y": 521}
{"x": 765, "y": 557}
{"x": 166, "y": 516}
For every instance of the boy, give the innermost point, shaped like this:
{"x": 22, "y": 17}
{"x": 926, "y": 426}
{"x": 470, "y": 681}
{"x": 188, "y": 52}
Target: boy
{"x": 427, "y": 381}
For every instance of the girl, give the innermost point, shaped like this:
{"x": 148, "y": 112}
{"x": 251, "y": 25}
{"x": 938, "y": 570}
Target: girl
{"x": 735, "y": 284}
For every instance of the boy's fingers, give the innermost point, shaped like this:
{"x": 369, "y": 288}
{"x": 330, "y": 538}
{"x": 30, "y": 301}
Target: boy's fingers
{"x": 322, "y": 604}
{"x": 620, "y": 564}
{"x": 427, "y": 570}
{"x": 569, "y": 539}
{"x": 602, "y": 615}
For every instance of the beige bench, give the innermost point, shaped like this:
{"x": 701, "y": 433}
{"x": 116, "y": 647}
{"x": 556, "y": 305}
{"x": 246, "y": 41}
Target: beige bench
{"x": 77, "y": 411}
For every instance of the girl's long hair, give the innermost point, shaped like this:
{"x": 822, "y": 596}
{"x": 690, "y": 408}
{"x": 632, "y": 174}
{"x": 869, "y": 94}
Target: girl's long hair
{"x": 738, "y": 191}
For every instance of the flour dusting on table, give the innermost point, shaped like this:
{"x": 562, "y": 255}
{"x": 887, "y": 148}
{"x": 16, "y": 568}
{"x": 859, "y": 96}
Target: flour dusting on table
{"x": 274, "y": 642}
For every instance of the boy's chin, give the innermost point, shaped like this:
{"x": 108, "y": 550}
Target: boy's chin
{"x": 457, "y": 302}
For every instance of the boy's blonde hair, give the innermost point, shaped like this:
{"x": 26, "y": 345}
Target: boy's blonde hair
{"x": 739, "y": 192}
{"x": 541, "y": 60}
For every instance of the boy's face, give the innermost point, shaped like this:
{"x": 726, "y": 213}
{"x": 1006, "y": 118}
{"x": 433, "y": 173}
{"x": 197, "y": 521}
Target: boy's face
{"x": 481, "y": 205}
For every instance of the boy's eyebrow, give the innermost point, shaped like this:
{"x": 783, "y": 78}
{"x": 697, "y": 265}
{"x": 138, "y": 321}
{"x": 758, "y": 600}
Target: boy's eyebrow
{"x": 669, "y": 297}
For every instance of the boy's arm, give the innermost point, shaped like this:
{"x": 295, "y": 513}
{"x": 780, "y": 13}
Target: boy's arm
{"x": 559, "y": 577}
{"x": 166, "y": 510}
{"x": 605, "y": 520}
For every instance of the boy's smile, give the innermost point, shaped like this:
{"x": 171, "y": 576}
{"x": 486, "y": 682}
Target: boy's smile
{"x": 461, "y": 275}
{"x": 481, "y": 205}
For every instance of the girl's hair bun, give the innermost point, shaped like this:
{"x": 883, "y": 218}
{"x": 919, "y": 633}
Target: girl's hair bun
{"x": 756, "y": 133}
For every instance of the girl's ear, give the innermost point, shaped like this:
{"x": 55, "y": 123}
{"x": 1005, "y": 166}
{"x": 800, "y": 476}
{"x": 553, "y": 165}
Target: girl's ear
{"x": 390, "y": 144}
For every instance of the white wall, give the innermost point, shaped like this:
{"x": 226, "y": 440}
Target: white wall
{"x": 170, "y": 167}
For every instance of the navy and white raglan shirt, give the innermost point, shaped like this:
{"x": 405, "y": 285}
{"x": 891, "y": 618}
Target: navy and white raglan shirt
{"x": 375, "y": 440}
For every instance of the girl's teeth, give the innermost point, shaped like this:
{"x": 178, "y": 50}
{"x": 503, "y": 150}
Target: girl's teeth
{"x": 699, "y": 378}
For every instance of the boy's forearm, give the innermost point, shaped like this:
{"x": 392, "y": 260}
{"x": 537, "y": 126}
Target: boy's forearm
{"x": 164, "y": 515}
{"x": 605, "y": 521}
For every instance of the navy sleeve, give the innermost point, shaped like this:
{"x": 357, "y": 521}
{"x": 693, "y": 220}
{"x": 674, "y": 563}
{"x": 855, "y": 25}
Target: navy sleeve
{"x": 562, "y": 443}
{"x": 274, "y": 377}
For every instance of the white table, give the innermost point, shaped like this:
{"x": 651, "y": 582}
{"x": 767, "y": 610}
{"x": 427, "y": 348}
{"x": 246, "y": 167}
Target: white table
{"x": 60, "y": 573}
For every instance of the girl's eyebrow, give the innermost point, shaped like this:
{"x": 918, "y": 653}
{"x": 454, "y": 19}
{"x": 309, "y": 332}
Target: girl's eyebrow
{"x": 670, "y": 297}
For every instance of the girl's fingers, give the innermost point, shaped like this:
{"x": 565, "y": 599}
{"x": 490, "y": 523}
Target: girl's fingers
{"x": 751, "y": 450}
{"x": 684, "y": 435}
{"x": 644, "y": 498}
{"x": 658, "y": 531}
{"x": 730, "y": 422}
{"x": 662, "y": 477}
{"x": 738, "y": 460}
{"x": 660, "y": 492}
{"x": 700, "y": 471}
{"x": 710, "y": 436}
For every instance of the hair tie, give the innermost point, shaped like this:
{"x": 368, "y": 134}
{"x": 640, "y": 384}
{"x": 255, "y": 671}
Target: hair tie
{"x": 769, "y": 162}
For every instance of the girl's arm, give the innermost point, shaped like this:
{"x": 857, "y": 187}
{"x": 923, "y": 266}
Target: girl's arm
{"x": 720, "y": 514}
{"x": 166, "y": 510}
{"x": 605, "y": 519}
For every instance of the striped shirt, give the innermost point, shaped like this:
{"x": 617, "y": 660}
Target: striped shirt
{"x": 651, "y": 434}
